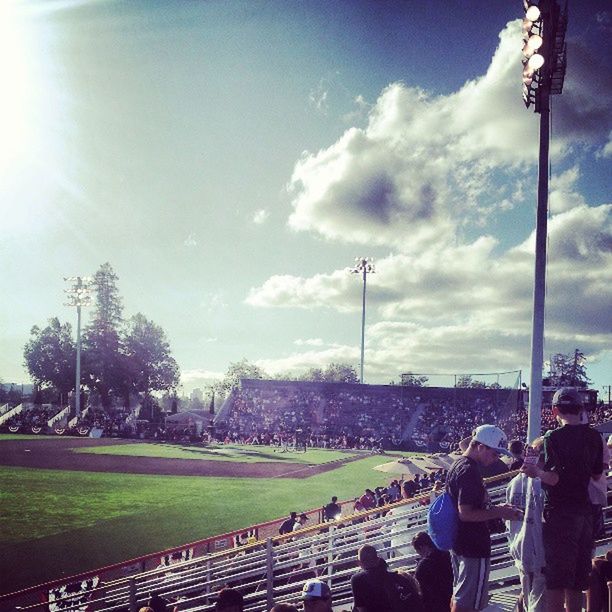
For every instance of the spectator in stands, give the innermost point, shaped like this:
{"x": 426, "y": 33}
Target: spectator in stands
{"x": 375, "y": 589}
{"x": 368, "y": 500}
{"x": 517, "y": 448}
{"x": 332, "y": 511}
{"x": 300, "y": 522}
{"x": 229, "y": 600}
{"x": 284, "y": 607}
{"x": 400, "y": 537}
{"x": 472, "y": 550}
{"x": 601, "y": 573}
{"x": 157, "y": 603}
{"x": 288, "y": 524}
{"x": 574, "y": 455}
{"x": 316, "y": 596}
{"x": 434, "y": 574}
{"x": 525, "y": 536}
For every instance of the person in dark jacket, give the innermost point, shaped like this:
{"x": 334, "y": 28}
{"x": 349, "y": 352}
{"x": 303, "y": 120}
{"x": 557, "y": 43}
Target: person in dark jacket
{"x": 376, "y": 589}
{"x": 434, "y": 574}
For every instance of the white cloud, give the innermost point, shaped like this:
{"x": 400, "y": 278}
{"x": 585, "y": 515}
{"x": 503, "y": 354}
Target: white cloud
{"x": 318, "y": 97}
{"x": 421, "y": 169}
{"x": 424, "y": 163}
{"x": 260, "y": 216}
{"x": 467, "y": 305}
{"x": 309, "y": 342}
{"x": 563, "y": 196}
{"x": 190, "y": 242}
{"x": 302, "y": 361}
{"x": 607, "y": 149}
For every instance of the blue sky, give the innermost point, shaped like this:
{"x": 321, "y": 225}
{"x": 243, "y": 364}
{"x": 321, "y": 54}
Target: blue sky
{"x": 230, "y": 159}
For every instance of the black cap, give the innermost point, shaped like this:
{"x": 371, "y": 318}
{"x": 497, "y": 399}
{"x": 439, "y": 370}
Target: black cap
{"x": 566, "y": 397}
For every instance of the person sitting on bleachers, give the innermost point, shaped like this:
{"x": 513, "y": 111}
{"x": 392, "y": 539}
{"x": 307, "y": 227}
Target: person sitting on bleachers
{"x": 229, "y": 600}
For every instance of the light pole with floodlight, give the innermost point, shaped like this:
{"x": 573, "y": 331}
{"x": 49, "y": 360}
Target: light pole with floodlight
{"x": 79, "y": 294}
{"x": 363, "y": 266}
{"x": 544, "y": 64}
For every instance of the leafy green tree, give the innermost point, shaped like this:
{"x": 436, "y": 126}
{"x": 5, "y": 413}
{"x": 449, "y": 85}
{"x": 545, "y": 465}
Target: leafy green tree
{"x": 148, "y": 357}
{"x": 313, "y": 375}
{"x": 334, "y": 372}
{"x": 412, "y": 380}
{"x": 103, "y": 361}
{"x": 340, "y": 372}
{"x": 50, "y": 356}
{"x": 236, "y": 371}
{"x": 568, "y": 370}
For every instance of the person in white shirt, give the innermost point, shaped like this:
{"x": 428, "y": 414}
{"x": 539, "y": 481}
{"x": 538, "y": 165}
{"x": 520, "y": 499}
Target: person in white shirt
{"x": 525, "y": 535}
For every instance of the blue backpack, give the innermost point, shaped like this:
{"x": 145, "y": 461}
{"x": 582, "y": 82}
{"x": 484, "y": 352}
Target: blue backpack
{"x": 443, "y": 521}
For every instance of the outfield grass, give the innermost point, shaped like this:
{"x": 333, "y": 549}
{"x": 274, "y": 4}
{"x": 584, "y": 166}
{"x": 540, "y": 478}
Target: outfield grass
{"x": 62, "y": 523}
{"x": 221, "y": 452}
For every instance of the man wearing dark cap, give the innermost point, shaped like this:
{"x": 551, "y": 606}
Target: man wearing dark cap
{"x": 375, "y": 589}
{"x": 573, "y": 455}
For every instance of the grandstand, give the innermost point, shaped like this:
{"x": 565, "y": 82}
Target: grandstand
{"x": 345, "y": 415}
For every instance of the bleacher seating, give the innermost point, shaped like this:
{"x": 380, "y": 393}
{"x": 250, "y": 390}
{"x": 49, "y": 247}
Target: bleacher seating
{"x": 363, "y": 416}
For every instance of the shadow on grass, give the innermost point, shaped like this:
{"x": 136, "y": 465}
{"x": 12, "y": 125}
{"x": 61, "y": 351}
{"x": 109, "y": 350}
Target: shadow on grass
{"x": 62, "y": 555}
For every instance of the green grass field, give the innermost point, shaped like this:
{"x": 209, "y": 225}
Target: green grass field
{"x": 58, "y": 523}
{"x": 238, "y": 453}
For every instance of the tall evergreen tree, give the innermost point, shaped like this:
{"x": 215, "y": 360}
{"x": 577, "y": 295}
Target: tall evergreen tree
{"x": 104, "y": 366}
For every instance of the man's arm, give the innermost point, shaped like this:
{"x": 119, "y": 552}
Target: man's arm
{"x": 533, "y": 471}
{"x": 469, "y": 514}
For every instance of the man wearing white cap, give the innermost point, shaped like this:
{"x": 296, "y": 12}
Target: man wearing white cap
{"x": 316, "y": 596}
{"x": 471, "y": 551}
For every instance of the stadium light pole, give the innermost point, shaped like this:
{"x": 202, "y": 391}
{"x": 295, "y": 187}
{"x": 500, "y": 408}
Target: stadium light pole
{"x": 79, "y": 294}
{"x": 544, "y": 64}
{"x": 363, "y": 266}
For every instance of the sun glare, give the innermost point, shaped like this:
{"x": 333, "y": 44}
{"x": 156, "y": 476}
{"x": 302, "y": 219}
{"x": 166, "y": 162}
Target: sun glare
{"x": 16, "y": 98}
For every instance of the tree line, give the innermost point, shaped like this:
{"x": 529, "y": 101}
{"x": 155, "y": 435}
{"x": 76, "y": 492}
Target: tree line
{"x": 119, "y": 357}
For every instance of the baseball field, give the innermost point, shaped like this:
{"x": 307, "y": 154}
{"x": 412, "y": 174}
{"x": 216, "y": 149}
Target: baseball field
{"x": 74, "y": 504}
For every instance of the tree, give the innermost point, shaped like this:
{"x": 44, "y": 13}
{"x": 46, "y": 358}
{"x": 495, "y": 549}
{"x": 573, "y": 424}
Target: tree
{"x": 568, "y": 370}
{"x": 150, "y": 364}
{"x": 334, "y": 372}
{"x": 104, "y": 366}
{"x": 50, "y": 356}
{"x": 340, "y": 372}
{"x": 236, "y": 371}
{"x": 412, "y": 380}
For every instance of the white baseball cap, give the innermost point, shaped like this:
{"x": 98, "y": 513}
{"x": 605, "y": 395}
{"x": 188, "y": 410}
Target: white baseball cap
{"x": 493, "y": 437}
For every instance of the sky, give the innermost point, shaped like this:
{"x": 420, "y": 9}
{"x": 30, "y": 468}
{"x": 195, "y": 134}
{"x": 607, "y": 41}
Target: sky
{"x": 230, "y": 159}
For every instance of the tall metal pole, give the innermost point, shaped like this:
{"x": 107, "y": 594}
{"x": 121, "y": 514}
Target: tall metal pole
{"x": 544, "y": 66}
{"x": 363, "y": 306}
{"x": 363, "y": 266}
{"x": 77, "y": 383}
{"x": 534, "y": 423}
{"x": 79, "y": 294}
